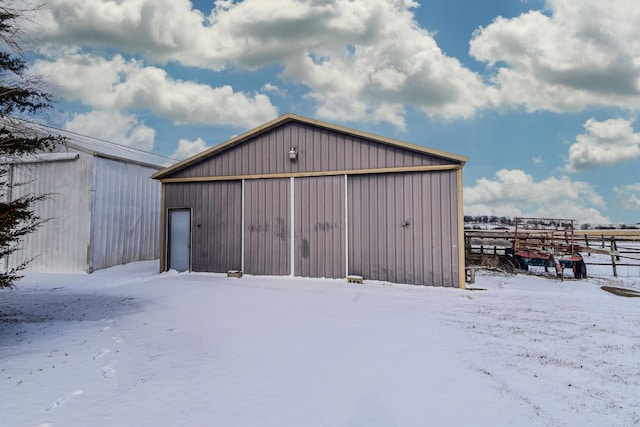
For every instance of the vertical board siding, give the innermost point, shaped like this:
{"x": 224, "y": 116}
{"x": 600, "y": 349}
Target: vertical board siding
{"x": 216, "y": 228}
{"x": 125, "y": 214}
{"x": 319, "y": 227}
{"x": 267, "y": 227}
{"x": 61, "y": 244}
{"x": 423, "y": 252}
{"x": 318, "y": 150}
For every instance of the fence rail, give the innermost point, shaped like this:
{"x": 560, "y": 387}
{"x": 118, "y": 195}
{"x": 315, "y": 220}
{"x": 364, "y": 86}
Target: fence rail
{"x": 487, "y": 247}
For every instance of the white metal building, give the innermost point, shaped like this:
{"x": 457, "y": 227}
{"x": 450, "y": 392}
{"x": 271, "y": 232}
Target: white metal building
{"x": 103, "y": 209}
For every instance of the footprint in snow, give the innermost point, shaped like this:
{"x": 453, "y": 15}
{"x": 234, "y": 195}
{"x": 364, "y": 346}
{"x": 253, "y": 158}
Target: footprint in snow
{"x": 117, "y": 340}
{"x": 106, "y": 328}
{"x": 108, "y": 371}
{"x": 59, "y": 402}
{"x": 101, "y": 354}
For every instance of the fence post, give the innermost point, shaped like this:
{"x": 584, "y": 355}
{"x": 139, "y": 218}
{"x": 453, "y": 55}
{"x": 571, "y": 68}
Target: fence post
{"x": 586, "y": 240}
{"x": 467, "y": 247}
{"x": 614, "y": 247}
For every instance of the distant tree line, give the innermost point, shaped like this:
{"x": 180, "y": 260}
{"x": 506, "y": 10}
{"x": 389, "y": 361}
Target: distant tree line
{"x": 486, "y": 219}
{"x": 498, "y": 222}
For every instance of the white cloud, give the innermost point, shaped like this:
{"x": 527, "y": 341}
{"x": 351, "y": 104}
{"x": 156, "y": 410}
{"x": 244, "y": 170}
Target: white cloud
{"x": 188, "y": 148}
{"x": 271, "y": 88}
{"x": 160, "y": 30}
{"x": 341, "y": 50}
{"x": 629, "y": 195}
{"x": 121, "y": 84}
{"x": 114, "y": 127}
{"x": 604, "y": 143}
{"x": 374, "y": 77}
{"x": 569, "y": 57}
{"x": 515, "y": 193}
{"x": 584, "y": 53}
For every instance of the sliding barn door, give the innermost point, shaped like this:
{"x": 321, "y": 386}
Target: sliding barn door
{"x": 267, "y": 227}
{"x": 319, "y": 227}
{"x": 403, "y": 227}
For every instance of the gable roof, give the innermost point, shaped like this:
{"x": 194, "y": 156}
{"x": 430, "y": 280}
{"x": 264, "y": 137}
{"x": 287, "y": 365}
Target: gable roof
{"x": 105, "y": 149}
{"x": 290, "y": 117}
{"x": 114, "y": 151}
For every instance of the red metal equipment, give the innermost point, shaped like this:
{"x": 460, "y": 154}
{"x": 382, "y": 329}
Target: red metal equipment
{"x": 546, "y": 242}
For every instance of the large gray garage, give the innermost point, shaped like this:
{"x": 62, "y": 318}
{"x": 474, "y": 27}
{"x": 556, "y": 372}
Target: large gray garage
{"x": 301, "y": 197}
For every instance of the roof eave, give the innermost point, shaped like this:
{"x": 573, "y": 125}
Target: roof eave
{"x": 222, "y": 146}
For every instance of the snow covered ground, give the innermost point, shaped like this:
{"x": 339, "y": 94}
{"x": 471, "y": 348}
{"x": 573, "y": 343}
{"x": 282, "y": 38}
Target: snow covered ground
{"x": 129, "y": 347}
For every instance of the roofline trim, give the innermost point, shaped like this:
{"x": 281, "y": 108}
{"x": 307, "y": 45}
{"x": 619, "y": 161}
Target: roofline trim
{"x": 126, "y": 160}
{"x": 403, "y": 169}
{"x": 289, "y": 117}
{"x": 78, "y": 146}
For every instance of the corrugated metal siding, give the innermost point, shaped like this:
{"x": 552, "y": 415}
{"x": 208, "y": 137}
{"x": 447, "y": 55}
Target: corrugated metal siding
{"x": 61, "y": 244}
{"x": 319, "y": 150}
{"x": 424, "y": 252}
{"x": 319, "y": 227}
{"x": 216, "y": 222}
{"x": 125, "y": 215}
{"x": 380, "y": 248}
{"x": 267, "y": 227}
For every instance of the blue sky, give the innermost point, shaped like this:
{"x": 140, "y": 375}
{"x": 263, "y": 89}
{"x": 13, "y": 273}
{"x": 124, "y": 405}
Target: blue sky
{"x": 542, "y": 96}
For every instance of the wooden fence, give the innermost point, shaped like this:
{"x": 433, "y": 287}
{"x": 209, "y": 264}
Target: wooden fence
{"x": 621, "y": 247}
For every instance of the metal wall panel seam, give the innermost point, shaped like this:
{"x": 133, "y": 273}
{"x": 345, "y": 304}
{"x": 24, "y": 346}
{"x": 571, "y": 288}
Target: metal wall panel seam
{"x": 346, "y": 227}
{"x": 163, "y": 227}
{"x": 292, "y": 228}
{"x": 461, "y": 254}
{"x": 92, "y": 204}
{"x": 242, "y": 229}
{"x": 97, "y": 239}
{"x": 190, "y": 239}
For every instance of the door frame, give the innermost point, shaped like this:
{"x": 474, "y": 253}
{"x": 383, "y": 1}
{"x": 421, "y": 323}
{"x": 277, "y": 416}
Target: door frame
{"x": 168, "y": 239}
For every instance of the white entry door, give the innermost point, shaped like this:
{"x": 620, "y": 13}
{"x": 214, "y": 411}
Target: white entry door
{"x": 179, "y": 239}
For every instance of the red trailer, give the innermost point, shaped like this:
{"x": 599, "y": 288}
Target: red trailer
{"x": 546, "y": 242}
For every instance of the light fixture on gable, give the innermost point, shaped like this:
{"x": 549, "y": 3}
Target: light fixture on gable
{"x": 293, "y": 154}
